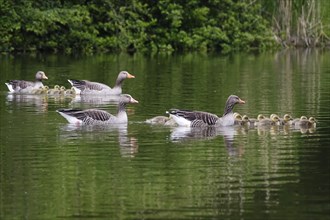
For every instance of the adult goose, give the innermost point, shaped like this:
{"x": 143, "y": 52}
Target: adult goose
{"x": 28, "y": 87}
{"x": 86, "y": 87}
{"x": 190, "y": 118}
{"x": 98, "y": 117}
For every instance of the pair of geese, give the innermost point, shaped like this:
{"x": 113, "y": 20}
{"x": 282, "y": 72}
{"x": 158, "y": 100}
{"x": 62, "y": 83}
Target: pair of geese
{"x": 181, "y": 117}
{"x": 83, "y": 87}
{"x": 186, "y": 118}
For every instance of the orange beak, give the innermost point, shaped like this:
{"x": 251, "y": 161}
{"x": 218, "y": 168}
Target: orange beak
{"x": 133, "y": 100}
{"x": 240, "y": 101}
{"x": 130, "y": 76}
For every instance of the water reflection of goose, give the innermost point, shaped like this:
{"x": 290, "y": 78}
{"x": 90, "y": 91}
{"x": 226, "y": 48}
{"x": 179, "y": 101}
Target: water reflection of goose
{"x": 180, "y": 134}
{"x": 96, "y": 100}
{"x": 128, "y": 146}
{"x": 38, "y": 101}
{"x": 86, "y": 87}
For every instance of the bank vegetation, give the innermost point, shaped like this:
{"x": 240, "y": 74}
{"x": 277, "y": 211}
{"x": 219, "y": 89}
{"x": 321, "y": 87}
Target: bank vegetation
{"x": 166, "y": 25}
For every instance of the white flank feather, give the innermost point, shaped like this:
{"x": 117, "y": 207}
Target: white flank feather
{"x": 10, "y": 87}
{"x": 181, "y": 121}
{"x": 71, "y": 119}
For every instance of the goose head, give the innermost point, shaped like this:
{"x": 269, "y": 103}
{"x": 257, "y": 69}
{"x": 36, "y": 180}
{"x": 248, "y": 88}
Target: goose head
{"x": 125, "y": 74}
{"x": 287, "y": 117}
{"x": 231, "y": 102}
{"x": 126, "y": 98}
{"x": 40, "y": 75}
{"x": 237, "y": 116}
{"x": 275, "y": 118}
{"x": 260, "y": 117}
{"x": 303, "y": 117}
{"x": 245, "y": 118}
{"x": 273, "y": 115}
{"x": 312, "y": 120}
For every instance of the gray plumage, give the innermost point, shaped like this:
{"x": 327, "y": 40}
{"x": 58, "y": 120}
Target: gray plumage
{"x": 88, "y": 87}
{"x": 200, "y": 119}
{"x": 22, "y": 86}
{"x": 96, "y": 116}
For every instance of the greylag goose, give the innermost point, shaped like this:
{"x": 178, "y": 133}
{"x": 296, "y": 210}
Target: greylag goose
{"x": 21, "y": 86}
{"x": 286, "y": 120}
{"x": 54, "y": 91}
{"x": 161, "y": 120}
{"x": 200, "y": 119}
{"x": 254, "y": 121}
{"x": 96, "y": 116}
{"x": 245, "y": 121}
{"x": 71, "y": 91}
{"x": 241, "y": 120}
{"x": 41, "y": 90}
{"x": 237, "y": 118}
{"x": 296, "y": 120}
{"x": 85, "y": 87}
{"x": 273, "y": 120}
{"x": 303, "y": 122}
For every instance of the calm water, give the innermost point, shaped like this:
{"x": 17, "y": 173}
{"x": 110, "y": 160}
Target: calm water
{"x": 52, "y": 170}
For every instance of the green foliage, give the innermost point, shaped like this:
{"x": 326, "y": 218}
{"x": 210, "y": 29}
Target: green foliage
{"x": 133, "y": 25}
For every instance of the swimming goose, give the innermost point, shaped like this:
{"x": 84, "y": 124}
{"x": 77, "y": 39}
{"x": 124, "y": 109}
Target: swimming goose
{"x": 95, "y": 88}
{"x": 21, "y": 86}
{"x": 286, "y": 120}
{"x": 161, "y": 120}
{"x": 190, "y": 118}
{"x": 305, "y": 123}
{"x": 54, "y": 91}
{"x": 245, "y": 120}
{"x": 157, "y": 120}
{"x": 296, "y": 120}
{"x": 71, "y": 91}
{"x": 254, "y": 121}
{"x": 237, "y": 118}
{"x": 41, "y": 90}
{"x": 96, "y": 116}
{"x": 273, "y": 120}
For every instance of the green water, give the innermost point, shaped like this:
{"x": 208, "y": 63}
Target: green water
{"x": 50, "y": 170}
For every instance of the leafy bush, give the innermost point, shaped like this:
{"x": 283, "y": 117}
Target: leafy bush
{"x": 132, "y": 25}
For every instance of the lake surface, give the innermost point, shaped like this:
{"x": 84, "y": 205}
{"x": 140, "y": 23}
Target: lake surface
{"x": 50, "y": 170}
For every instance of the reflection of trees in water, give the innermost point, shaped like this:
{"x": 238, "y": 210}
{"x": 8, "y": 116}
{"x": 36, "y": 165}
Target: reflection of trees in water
{"x": 256, "y": 167}
{"x": 288, "y": 74}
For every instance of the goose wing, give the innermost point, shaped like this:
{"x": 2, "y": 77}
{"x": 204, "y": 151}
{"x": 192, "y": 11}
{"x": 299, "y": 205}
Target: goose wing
{"x": 85, "y": 84}
{"x": 197, "y": 118}
{"x": 20, "y": 84}
{"x": 88, "y": 116}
